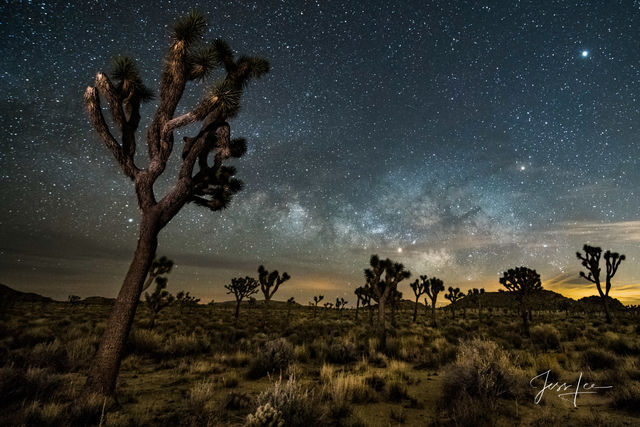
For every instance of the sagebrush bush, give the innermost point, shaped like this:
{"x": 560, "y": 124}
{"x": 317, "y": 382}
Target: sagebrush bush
{"x": 298, "y": 405}
{"x": 274, "y": 357}
{"x": 545, "y": 337}
{"x": 481, "y": 374}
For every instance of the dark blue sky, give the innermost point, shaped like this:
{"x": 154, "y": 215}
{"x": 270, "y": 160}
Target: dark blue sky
{"x": 461, "y": 138}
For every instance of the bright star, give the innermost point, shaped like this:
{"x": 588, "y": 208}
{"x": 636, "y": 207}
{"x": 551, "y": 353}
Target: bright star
{"x": 585, "y": 53}
{"x": 399, "y": 250}
{"x": 523, "y": 167}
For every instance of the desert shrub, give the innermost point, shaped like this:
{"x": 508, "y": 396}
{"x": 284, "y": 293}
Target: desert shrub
{"x": 398, "y": 415}
{"x": 619, "y": 344}
{"x": 48, "y": 414}
{"x": 231, "y": 380}
{"x": 275, "y": 356}
{"x": 49, "y": 355}
{"x": 237, "y": 400}
{"x": 296, "y": 404}
{"x": 545, "y": 336}
{"x": 627, "y": 398}
{"x": 596, "y": 358}
{"x": 573, "y": 332}
{"x": 481, "y": 374}
{"x": 87, "y": 411}
{"x": 200, "y": 403}
{"x": 183, "y": 345}
{"x": 439, "y": 353}
{"x": 265, "y": 416}
{"x": 454, "y": 333}
{"x": 397, "y": 390}
{"x": 146, "y": 342}
{"x": 376, "y": 382}
{"x": 33, "y": 336}
{"x": 342, "y": 351}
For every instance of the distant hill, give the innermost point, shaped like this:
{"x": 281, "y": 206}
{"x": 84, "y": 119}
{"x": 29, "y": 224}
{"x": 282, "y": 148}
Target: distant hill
{"x": 99, "y": 300}
{"x": 594, "y": 303}
{"x": 9, "y": 294}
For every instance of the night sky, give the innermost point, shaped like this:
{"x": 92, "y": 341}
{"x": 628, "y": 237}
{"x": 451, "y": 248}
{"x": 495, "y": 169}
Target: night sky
{"x": 460, "y": 138}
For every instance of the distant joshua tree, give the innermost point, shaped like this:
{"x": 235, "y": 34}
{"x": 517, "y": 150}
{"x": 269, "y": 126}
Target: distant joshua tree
{"x": 454, "y": 295}
{"x": 159, "y": 266}
{"x": 341, "y": 304}
{"x": 158, "y": 300}
{"x": 433, "y": 287}
{"x": 381, "y": 290}
{"x": 74, "y": 299}
{"x": 188, "y": 59}
{"x": 270, "y": 282}
{"x": 591, "y": 261}
{"x": 241, "y": 288}
{"x": 418, "y": 287}
{"x": 523, "y": 282}
{"x": 185, "y": 300}
{"x": 363, "y": 296}
{"x": 290, "y": 303}
{"x": 475, "y": 297}
{"x": 316, "y": 300}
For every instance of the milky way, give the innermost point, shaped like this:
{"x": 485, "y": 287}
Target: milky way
{"x": 461, "y": 139}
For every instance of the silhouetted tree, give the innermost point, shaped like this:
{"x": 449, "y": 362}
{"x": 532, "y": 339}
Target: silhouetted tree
{"x": 523, "y": 282}
{"x": 453, "y": 295}
{"x": 290, "y": 303}
{"x": 241, "y": 288}
{"x": 394, "y": 273}
{"x": 270, "y": 282}
{"x": 158, "y": 300}
{"x": 591, "y": 261}
{"x": 188, "y": 59}
{"x": 433, "y": 287}
{"x": 185, "y": 300}
{"x": 418, "y": 287}
{"x": 340, "y": 305}
{"x": 159, "y": 266}
{"x": 361, "y": 296}
{"x": 316, "y": 300}
{"x": 475, "y": 297}
{"x": 74, "y": 299}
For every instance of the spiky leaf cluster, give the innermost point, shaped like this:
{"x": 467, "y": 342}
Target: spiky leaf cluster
{"x": 128, "y": 83}
{"x": 242, "y": 287}
{"x": 270, "y": 281}
{"x": 522, "y": 281}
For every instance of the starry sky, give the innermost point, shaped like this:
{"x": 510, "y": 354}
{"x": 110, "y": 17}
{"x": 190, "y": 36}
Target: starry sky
{"x": 460, "y": 138}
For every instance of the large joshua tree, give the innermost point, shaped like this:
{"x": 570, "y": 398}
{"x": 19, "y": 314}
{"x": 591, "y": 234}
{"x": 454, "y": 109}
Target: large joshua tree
{"x": 270, "y": 282}
{"x": 241, "y": 288}
{"x": 591, "y": 261}
{"x": 382, "y": 289}
{"x": 418, "y": 287}
{"x": 433, "y": 287}
{"x": 211, "y": 185}
{"x": 523, "y": 282}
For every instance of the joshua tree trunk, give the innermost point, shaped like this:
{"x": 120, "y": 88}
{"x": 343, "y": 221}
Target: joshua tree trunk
{"x": 415, "y": 310}
{"x": 606, "y": 309}
{"x": 106, "y": 365}
{"x": 433, "y": 312}
{"x": 237, "y": 310}
{"x": 357, "y": 306}
{"x": 525, "y": 320}
{"x": 152, "y": 323}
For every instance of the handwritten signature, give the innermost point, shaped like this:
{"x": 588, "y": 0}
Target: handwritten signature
{"x": 585, "y": 388}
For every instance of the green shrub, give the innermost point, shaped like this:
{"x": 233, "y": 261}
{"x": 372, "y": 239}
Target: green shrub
{"x": 546, "y": 337}
{"x": 275, "y": 356}
{"x": 481, "y": 374}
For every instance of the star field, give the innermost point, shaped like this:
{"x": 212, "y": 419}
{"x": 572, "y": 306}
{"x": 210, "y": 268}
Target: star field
{"x": 461, "y": 139}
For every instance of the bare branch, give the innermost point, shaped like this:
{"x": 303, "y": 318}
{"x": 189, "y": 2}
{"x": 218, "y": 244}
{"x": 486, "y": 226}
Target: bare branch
{"x": 92, "y": 104}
